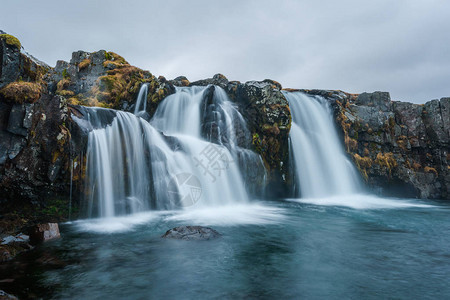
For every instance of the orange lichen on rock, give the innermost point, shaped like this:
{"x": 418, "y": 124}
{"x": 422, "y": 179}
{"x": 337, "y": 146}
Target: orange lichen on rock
{"x": 386, "y": 160}
{"x": 362, "y": 163}
{"x": 430, "y": 170}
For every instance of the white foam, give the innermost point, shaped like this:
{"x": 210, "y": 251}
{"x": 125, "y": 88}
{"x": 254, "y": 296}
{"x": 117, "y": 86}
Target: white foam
{"x": 361, "y": 201}
{"x": 230, "y": 215}
{"x": 115, "y": 224}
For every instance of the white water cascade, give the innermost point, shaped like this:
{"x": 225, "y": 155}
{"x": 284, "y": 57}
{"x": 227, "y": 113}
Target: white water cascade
{"x": 214, "y": 164}
{"x": 141, "y": 98}
{"x": 117, "y": 168}
{"x": 134, "y": 165}
{"x": 322, "y": 168}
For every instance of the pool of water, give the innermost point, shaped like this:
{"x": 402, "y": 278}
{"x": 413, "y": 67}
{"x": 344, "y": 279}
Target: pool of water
{"x": 336, "y": 248}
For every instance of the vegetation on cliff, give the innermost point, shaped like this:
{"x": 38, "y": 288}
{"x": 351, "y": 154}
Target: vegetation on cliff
{"x": 11, "y": 40}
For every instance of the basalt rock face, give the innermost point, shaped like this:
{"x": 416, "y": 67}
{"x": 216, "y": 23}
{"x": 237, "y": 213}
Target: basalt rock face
{"x": 105, "y": 79}
{"x": 34, "y": 143}
{"x": 268, "y": 116}
{"x": 400, "y": 148}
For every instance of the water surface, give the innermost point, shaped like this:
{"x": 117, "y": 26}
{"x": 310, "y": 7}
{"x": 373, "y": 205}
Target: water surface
{"x": 277, "y": 249}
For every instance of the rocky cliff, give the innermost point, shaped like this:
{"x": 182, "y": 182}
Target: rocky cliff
{"x": 400, "y": 148}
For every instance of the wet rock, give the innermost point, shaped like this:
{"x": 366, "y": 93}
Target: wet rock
{"x": 17, "y": 238}
{"x": 44, "y": 232}
{"x": 192, "y": 233}
{"x": 6, "y": 296}
{"x": 13, "y": 245}
{"x": 268, "y": 117}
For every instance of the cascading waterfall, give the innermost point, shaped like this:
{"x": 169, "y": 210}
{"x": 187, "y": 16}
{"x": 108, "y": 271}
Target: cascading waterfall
{"x": 141, "y": 98}
{"x": 180, "y": 116}
{"x": 322, "y": 168}
{"x": 117, "y": 167}
{"x": 134, "y": 165}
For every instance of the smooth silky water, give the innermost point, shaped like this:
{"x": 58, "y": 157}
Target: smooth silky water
{"x": 279, "y": 249}
{"x": 332, "y": 243}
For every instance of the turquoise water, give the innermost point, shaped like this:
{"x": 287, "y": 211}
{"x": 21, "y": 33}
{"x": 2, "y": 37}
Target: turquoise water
{"x": 270, "y": 249}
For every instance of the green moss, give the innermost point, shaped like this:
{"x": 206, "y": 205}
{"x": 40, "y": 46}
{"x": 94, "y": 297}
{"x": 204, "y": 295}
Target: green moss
{"x": 108, "y": 56}
{"x": 11, "y": 40}
{"x": 65, "y": 74}
{"x": 256, "y": 141}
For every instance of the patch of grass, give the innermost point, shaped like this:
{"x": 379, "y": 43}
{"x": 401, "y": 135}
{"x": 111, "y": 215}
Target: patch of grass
{"x": 21, "y": 92}
{"x": 84, "y": 64}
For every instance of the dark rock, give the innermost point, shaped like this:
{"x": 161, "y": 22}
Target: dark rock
{"x": 400, "y": 148}
{"x": 180, "y": 81}
{"x": 268, "y": 117}
{"x": 218, "y": 79}
{"x": 44, "y": 232}
{"x": 376, "y": 99}
{"x": 196, "y": 233}
{"x": 6, "y": 296}
{"x": 16, "y": 120}
{"x": 9, "y": 63}
{"x": 11, "y": 246}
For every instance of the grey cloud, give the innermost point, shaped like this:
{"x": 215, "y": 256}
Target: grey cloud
{"x": 397, "y": 46}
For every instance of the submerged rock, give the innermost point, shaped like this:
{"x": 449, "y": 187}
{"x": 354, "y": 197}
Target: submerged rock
{"x": 195, "y": 233}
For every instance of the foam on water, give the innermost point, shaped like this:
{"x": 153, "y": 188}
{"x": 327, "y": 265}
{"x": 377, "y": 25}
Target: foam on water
{"x": 229, "y": 215}
{"x": 362, "y": 201}
{"x": 115, "y": 224}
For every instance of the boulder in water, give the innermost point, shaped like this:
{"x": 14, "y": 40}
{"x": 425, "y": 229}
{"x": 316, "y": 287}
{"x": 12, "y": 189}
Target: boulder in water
{"x": 44, "y": 232}
{"x": 196, "y": 233}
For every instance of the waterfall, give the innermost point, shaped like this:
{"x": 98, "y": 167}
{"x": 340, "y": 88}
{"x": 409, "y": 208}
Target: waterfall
{"x": 321, "y": 165}
{"x": 215, "y": 165}
{"x": 117, "y": 168}
{"x": 141, "y": 98}
{"x": 192, "y": 153}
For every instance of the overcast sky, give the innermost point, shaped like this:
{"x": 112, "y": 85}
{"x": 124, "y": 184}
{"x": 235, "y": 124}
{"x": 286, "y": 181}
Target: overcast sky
{"x": 398, "y": 46}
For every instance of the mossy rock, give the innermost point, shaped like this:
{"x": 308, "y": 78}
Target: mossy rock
{"x": 11, "y": 40}
{"x": 84, "y": 64}
{"x": 21, "y": 92}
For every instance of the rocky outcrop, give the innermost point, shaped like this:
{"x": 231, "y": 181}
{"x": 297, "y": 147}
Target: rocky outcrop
{"x": 400, "y": 148}
{"x": 268, "y": 116}
{"x": 192, "y": 233}
{"x": 105, "y": 79}
{"x": 34, "y": 143}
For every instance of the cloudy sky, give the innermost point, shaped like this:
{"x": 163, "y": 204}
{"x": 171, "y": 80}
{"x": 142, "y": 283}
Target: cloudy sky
{"x": 399, "y": 46}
